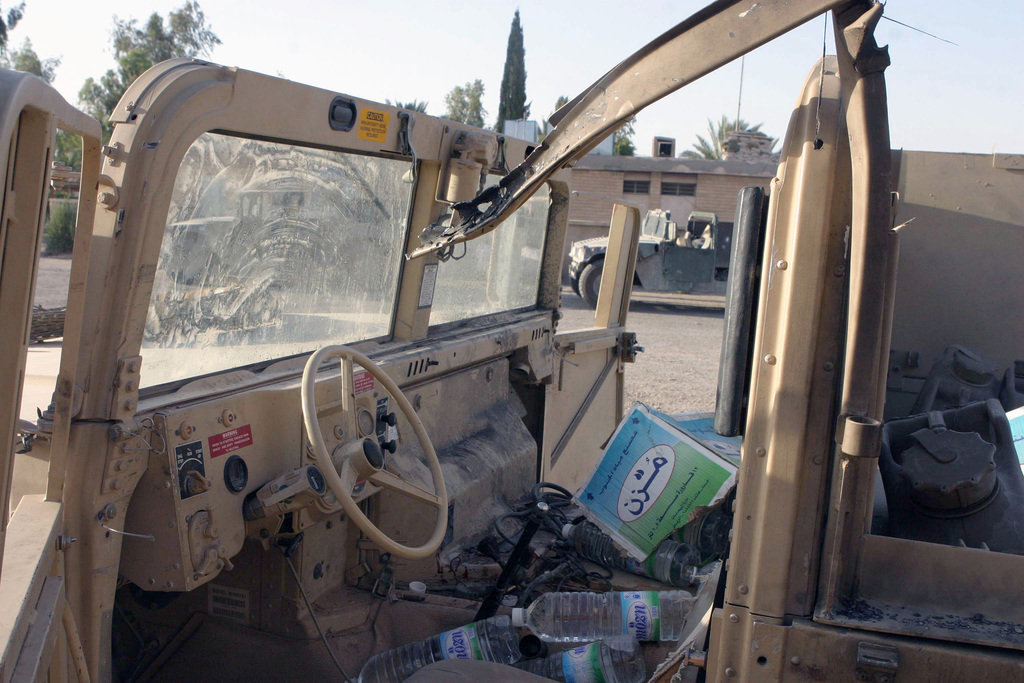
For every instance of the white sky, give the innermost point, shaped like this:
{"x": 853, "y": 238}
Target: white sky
{"x": 965, "y": 98}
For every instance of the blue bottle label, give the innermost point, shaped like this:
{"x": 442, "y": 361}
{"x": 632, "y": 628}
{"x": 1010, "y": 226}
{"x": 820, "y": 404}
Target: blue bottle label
{"x": 461, "y": 643}
{"x": 641, "y": 615}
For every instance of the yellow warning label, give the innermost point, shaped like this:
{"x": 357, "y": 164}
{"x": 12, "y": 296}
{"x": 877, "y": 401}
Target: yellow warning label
{"x": 373, "y": 125}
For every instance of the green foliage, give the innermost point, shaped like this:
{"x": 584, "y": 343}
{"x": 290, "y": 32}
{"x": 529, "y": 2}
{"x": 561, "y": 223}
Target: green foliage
{"x": 138, "y": 47}
{"x": 560, "y": 102}
{"x": 13, "y": 17}
{"x": 463, "y": 104}
{"x": 411, "y": 105}
{"x": 512, "y": 104}
{"x": 713, "y": 147}
{"x": 69, "y": 150}
{"x": 26, "y": 59}
{"x": 59, "y": 234}
{"x": 622, "y": 140}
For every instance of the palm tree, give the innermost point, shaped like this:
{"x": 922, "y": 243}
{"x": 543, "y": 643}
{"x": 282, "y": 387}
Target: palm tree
{"x": 411, "y": 105}
{"x": 713, "y": 147}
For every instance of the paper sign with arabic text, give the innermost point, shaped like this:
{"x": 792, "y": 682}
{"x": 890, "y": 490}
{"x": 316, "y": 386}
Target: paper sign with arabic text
{"x": 651, "y": 479}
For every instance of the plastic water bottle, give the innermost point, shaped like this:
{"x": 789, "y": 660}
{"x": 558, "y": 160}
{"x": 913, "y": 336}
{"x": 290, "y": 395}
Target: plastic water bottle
{"x": 614, "y": 660}
{"x": 492, "y": 639}
{"x": 586, "y": 617}
{"x": 671, "y": 562}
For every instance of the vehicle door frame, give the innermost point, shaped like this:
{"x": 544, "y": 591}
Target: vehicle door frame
{"x": 33, "y": 609}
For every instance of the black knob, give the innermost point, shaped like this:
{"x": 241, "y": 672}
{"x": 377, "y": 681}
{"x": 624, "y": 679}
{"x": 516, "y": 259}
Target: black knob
{"x": 390, "y": 446}
{"x": 390, "y": 420}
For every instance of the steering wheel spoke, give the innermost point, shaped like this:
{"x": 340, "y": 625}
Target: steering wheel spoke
{"x": 341, "y": 482}
{"x": 394, "y": 482}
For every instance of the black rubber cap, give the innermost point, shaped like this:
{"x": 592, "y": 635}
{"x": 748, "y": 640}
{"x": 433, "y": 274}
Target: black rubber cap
{"x": 374, "y": 455}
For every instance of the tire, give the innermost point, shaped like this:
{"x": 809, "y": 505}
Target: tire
{"x": 590, "y": 282}
{"x": 574, "y": 282}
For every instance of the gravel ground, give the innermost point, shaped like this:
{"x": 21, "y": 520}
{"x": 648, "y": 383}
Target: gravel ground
{"x": 52, "y": 282}
{"x": 678, "y": 370}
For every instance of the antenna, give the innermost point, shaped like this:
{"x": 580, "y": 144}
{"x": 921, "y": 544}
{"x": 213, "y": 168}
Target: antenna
{"x": 739, "y": 98}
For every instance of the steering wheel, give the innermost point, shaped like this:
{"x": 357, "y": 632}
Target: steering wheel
{"x": 363, "y": 458}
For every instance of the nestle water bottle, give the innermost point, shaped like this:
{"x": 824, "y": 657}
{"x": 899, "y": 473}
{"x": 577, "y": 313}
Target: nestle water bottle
{"x": 671, "y": 562}
{"x": 492, "y": 639}
{"x": 613, "y": 660}
{"x": 585, "y": 617}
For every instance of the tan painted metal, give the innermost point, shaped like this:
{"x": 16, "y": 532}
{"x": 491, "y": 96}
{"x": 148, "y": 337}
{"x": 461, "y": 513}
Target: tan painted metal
{"x": 584, "y": 403}
{"x": 342, "y": 481}
{"x": 800, "y": 550}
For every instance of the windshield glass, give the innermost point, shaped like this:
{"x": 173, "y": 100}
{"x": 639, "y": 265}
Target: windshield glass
{"x": 272, "y": 250}
{"x": 497, "y": 272}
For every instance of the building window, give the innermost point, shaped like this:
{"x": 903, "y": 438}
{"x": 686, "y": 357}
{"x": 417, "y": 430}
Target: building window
{"x": 679, "y": 189}
{"x": 636, "y": 187}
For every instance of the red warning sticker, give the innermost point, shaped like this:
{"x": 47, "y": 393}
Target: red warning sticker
{"x": 362, "y": 381}
{"x": 231, "y": 440}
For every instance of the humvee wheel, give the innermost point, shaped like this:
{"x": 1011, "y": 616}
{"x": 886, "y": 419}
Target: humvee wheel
{"x": 363, "y": 458}
{"x": 590, "y": 282}
{"x": 574, "y": 282}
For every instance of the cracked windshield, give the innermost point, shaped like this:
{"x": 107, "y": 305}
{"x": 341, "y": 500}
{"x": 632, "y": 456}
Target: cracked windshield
{"x": 272, "y": 250}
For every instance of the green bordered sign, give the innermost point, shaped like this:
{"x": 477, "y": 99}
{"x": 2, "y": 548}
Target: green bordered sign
{"x": 651, "y": 480}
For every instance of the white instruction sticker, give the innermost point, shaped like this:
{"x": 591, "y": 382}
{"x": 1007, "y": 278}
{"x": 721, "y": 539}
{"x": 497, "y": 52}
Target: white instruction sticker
{"x": 427, "y": 286}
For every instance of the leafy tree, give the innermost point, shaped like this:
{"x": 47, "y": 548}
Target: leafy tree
{"x": 69, "y": 146}
{"x": 13, "y": 17}
{"x": 560, "y": 102}
{"x": 512, "y": 104}
{"x": 713, "y": 147}
{"x": 622, "y": 140}
{"x": 138, "y": 47}
{"x": 25, "y": 59}
{"x": 463, "y": 104}
{"x": 411, "y": 105}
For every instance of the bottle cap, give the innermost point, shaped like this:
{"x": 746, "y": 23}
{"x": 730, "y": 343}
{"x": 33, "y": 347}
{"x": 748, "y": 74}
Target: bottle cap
{"x": 518, "y": 617}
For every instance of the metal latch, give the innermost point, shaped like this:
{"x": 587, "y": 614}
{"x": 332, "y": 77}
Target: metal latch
{"x": 877, "y": 662}
{"x": 628, "y": 348}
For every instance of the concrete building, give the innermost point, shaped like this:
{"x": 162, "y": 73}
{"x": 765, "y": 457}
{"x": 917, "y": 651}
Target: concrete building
{"x": 672, "y": 184}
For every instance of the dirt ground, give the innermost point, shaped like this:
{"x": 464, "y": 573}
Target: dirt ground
{"x": 52, "y": 282}
{"x": 677, "y": 372}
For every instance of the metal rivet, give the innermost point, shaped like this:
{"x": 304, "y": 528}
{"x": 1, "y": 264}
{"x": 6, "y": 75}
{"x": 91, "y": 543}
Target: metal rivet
{"x": 151, "y": 580}
{"x": 169, "y": 584}
{"x": 782, "y": 265}
{"x": 769, "y": 359}
{"x": 795, "y": 661}
{"x": 743, "y": 589}
{"x": 733, "y": 618}
{"x": 730, "y": 672}
{"x": 829, "y": 366}
{"x": 760, "y": 451}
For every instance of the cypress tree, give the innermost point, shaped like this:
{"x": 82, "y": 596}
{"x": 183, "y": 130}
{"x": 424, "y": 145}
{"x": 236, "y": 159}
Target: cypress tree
{"x": 512, "y": 101}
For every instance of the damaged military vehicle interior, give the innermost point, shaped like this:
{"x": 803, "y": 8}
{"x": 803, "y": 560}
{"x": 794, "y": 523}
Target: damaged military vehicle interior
{"x": 316, "y": 401}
